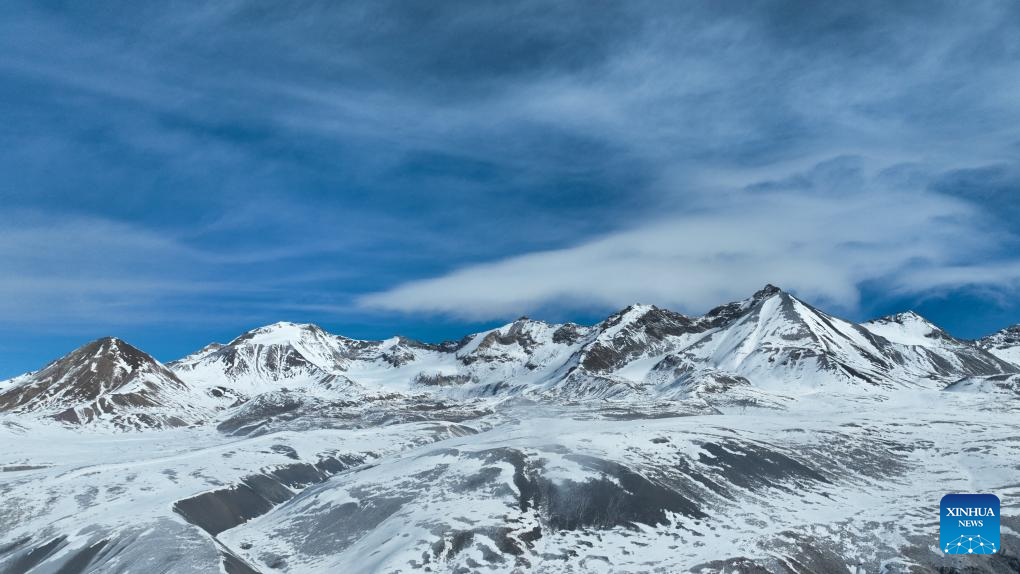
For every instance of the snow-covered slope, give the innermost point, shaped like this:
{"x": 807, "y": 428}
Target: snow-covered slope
{"x": 841, "y": 483}
{"x": 107, "y": 382}
{"x": 1004, "y": 344}
{"x": 989, "y": 386}
{"x": 508, "y": 359}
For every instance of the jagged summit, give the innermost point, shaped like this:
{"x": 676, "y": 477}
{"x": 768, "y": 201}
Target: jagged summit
{"x": 1004, "y": 344}
{"x": 767, "y": 291}
{"x": 728, "y": 312}
{"x": 1010, "y": 335}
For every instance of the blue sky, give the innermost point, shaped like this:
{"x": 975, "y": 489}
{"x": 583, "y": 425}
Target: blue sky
{"x": 176, "y": 173}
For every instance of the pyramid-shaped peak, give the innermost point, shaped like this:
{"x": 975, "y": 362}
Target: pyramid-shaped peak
{"x": 729, "y": 312}
{"x": 107, "y": 344}
{"x": 100, "y": 366}
{"x": 648, "y": 318}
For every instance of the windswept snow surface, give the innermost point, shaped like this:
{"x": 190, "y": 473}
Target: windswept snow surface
{"x": 764, "y": 436}
{"x": 833, "y": 480}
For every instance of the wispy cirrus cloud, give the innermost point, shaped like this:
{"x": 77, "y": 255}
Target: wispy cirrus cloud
{"x": 73, "y": 270}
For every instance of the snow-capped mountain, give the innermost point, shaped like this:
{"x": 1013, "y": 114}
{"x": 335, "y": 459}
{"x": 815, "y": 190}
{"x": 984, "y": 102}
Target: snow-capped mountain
{"x": 943, "y": 354}
{"x": 267, "y": 358}
{"x": 780, "y": 342}
{"x": 770, "y": 343}
{"x": 763, "y": 436}
{"x": 908, "y": 328}
{"x": 105, "y": 382}
{"x": 1004, "y": 344}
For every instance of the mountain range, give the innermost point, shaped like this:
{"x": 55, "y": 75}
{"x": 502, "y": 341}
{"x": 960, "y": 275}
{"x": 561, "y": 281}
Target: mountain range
{"x": 756, "y": 350}
{"x": 765, "y": 436}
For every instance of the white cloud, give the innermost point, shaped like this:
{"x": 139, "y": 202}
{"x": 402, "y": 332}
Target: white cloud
{"x": 821, "y": 241}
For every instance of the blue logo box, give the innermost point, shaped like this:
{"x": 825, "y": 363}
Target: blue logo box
{"x": 969, "y": 524}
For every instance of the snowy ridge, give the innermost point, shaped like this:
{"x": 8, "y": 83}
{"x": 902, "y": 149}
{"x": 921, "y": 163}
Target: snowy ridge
{"x": 771, "y": 339}
{"x": 776, "y": 343}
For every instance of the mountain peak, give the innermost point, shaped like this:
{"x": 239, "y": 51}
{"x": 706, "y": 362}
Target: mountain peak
{"x": 909, "y": 316}
{"x": 1004, "y": 344}
{"x": 279, "y": 333}
{"x": 767, "y": 291}
{"x": 106, "y": 344}
{"x": 906, "y": 318}
{"x": 112, "y": 349}
{"x": 108, "y": 354}
{"x": 907, "y": 328}
{"x": 633, "y": 310}
{"x": 104, "y": 379}
{"x": 1011, "y": 330}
